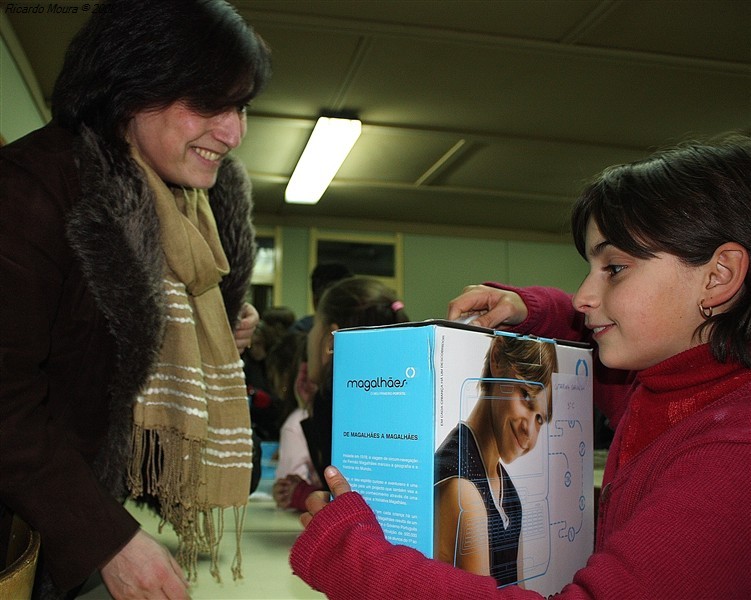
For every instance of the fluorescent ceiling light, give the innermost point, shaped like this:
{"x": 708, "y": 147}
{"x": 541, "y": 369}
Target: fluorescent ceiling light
{"x": 328, "y": 146}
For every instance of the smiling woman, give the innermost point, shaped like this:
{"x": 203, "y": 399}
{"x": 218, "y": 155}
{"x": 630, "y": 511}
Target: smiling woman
{"x": 127, "y": 253}
{"x": 184, "y": 147}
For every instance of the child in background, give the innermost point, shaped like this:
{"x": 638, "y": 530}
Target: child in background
{"x": 667, "y": 302}
{"x": 350, "y": 302}
{"x": 282, "y": 363}
{"x": 296, "y": 477}
{"x": 270, "y": 367}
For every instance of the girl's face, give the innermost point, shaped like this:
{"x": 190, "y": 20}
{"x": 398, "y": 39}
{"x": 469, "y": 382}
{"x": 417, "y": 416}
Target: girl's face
{"x": 517, "y": 415}
{"x": 184, "y": 147}
{"x": 320, "y": 344}
{"x": 641, "y": 311}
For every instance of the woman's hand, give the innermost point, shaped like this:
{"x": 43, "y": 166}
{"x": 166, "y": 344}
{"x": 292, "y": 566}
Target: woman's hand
{"x": 246, "y": 324}
{"x": 318, "y": 500}
{"x": 144, "y": 569}
{"x": 492, "y": 307}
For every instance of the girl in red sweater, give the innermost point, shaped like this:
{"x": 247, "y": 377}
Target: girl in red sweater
{"x": 667, "y": 303}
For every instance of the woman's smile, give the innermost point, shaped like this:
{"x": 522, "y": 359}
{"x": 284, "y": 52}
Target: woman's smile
{"x": 208, "y": 154}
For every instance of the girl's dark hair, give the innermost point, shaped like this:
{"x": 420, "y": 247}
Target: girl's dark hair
{"x": 686, "y": 201}
{"x": 136, "y": 55}
{"x": 359, "y": 302}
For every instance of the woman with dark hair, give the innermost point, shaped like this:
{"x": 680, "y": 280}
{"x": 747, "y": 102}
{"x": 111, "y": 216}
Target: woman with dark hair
{"x": 127, "y": 250}
{"x": 666, "y": 301}
{"x": 200, "y": 53}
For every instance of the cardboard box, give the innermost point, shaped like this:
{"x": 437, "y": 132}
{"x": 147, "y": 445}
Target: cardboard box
{"x": 449, "y": 442}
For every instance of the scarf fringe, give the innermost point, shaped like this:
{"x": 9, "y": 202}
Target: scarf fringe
{"x": 170, "y": 472}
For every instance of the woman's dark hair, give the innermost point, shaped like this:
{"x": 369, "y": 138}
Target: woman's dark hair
{"x": 686, "y": 201}
{"x": 136, "y": 55}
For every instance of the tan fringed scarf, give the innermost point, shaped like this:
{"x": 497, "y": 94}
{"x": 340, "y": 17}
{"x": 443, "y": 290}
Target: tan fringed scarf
{"x": 192, "y": 444}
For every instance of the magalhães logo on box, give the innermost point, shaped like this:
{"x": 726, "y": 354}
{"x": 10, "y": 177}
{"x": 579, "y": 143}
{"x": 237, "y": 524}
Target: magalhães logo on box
{"x": 380, "y": 382}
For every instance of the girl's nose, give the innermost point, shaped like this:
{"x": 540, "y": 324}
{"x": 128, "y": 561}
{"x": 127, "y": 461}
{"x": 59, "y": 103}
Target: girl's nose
{"x": 585, "y": 297}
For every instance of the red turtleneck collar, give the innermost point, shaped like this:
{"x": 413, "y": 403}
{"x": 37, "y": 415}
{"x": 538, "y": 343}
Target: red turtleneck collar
{"x": 672, "y": 390}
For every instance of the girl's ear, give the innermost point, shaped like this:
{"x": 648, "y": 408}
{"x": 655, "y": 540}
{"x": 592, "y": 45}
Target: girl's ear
{"x": 727, "y": 272}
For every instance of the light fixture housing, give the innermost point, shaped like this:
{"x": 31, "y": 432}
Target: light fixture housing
{"x": 328, "y": 146}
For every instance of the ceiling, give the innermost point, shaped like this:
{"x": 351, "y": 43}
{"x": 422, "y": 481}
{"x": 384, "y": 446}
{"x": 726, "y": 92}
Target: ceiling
{"x": 479, "y": 116}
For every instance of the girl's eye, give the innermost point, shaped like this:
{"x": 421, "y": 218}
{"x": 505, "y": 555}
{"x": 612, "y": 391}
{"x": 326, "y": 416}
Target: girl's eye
{"x": 243, "y": 109}
{"x": 538, "y": 418}
{"x": 615, "y": 269}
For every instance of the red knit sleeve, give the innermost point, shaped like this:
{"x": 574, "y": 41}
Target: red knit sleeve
{"x": 650, "y": 554}
{"x": 344, "y": 554}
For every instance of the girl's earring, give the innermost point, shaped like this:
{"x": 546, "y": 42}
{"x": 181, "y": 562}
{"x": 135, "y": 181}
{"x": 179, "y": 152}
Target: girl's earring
{"x": 706, "y": 312}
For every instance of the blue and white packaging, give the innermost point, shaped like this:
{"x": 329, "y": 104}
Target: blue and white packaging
{"x": 411, "y": 428}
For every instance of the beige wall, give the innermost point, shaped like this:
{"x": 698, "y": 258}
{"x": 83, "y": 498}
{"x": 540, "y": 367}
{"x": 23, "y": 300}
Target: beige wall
{"x": 436, "y": 268}
{"x": 19, "y": 112}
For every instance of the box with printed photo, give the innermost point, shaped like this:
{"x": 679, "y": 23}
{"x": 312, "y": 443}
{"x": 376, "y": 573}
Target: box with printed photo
{"x": 473, "y": 446}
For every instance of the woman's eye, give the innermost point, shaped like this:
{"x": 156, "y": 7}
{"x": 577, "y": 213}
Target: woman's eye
{"x": 529, "y": 400}
{"x": 243, "y": 109}
{"x": 539, "y": 419}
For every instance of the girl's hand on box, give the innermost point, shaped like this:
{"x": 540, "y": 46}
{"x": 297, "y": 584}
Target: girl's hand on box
{"x": 318, "y": 500}
{"x": 490, "y": 306}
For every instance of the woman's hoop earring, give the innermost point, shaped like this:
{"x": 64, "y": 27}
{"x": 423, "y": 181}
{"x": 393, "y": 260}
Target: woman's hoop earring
{"x": 706, "y": 312}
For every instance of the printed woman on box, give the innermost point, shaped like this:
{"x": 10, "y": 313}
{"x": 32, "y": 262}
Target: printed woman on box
{"x": 667, "y": 301}
{"x": 478, "y": 512}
